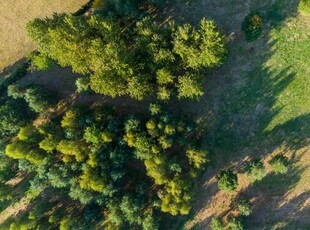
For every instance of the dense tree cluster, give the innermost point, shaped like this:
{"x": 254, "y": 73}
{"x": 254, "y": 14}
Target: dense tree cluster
{"x": 138, "y": 60}
{"x": 131, "y": 167}
{"x": 93, "y": 164}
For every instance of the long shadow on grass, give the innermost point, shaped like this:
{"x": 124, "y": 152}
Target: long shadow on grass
{"x": 240, "y": 99}
{"x": 275, "y": 206}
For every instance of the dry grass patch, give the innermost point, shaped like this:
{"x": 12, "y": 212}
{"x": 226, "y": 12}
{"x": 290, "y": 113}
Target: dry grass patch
{"x": 14, "y": 15}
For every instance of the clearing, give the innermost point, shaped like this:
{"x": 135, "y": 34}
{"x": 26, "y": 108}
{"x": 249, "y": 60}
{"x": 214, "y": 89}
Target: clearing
{"x": 256, "y": 105}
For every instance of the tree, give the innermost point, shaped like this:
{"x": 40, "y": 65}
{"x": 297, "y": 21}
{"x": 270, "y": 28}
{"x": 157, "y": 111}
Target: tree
{"x": 40, "y": 61}
{"x": 199, "y": 48}
{"x": 256, "y": 170}
{"x": 244, "y": 207}
{"x": 235, "y": 224}
{"x": 227, "y": 181}
{"x": 217, "y": 224}
{"x": 13, "y": 116}
{"x": 92, "y": 179}
{"x": 252, "y": 26}
{"x": 190, "y": 86}
{"x": 176, "y": 197}
{"x": 136, "y": 60}
{"x": 280, "y": 164}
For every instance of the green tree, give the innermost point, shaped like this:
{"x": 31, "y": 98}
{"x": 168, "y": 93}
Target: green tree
{"x": 256, "y": 170}
{"x": 201, "y": 47}
{"x": 217, "y": 224}
{"x": 244, "y": 207}
{"x": 227, "y": 181}
{"x": 280, "y": 164}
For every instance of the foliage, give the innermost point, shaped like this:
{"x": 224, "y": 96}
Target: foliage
{"x": 252, "y": 26}
{"x": 137, "y": 60}
{"x": 200, "y": 48}
{"x": 14, "y": 114}
{"x": 37, "y": 97}
{"x": 217, "y": 224}
{"x": 40, "y": 61}
{"x": 17, "y": 74}
{"x": 256, "y": 170}
{"x": 244, "y": 207}
{"x": 235, "y": 224}
{"x": 280, "y": 164}
{"x": 227, "y": 181}
{"x": 304, "y": 6}
{"x": 82, "y": 84}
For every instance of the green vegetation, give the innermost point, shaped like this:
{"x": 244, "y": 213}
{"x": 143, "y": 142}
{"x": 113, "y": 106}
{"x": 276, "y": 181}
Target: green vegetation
{"x": 244, "y": 207}
{"x": 252, "y": 26}
{"x": 73, "y": 158}
{"x": 227, "y": 181}
{"x": 137, "y": 60}
{"x": 279, "y": 164}
{"x": 256, "y": 169}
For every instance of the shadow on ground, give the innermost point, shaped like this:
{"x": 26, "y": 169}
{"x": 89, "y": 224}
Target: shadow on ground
{"x": 237, "y": 109}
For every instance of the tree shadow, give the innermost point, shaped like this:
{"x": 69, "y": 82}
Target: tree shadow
{"x": 240, "y": 101}
{"x": 10, "y": 69}
{"x": 275, "y": 205}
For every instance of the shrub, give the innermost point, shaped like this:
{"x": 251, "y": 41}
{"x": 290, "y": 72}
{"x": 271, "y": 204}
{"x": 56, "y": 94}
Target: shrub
{"x": 227, "y": 181}
{"x": 252, "y": 26}
{"x": 279, "y": 164}
{"x": 256, "y": 170}
{"x": 217, "y": 224}
{"x": 244, "y": 207}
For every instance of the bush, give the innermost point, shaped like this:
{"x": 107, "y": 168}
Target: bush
{"x": 256, "y": 170}
{"x": 252, "y": 26}
{"x": 217, "y": 224}
{"x": 227, "y": 181}
{"x": 279, "y": 164}
{"x": 244, "y": 207}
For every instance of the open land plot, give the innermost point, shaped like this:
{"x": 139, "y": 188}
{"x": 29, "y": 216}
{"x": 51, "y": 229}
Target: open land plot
{"x": 14, "y": 42}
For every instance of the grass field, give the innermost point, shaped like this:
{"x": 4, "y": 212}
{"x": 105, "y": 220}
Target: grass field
{"x": 14, "y": 15}
{"x": 257, "y": 105}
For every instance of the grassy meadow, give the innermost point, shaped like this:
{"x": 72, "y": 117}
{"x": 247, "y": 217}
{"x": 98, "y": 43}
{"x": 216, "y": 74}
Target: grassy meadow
{"x": 257, "y": 106}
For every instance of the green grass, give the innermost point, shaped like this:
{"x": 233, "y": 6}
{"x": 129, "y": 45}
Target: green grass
{"x": 260, "y": 104}
{"x": 274, "y": 96}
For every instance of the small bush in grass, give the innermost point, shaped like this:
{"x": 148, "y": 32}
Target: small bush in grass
{"x": 279, "y": 164}
{"x": 227, "y": 181}
{"x": 244, "y": 207}
{"x": 235, "y": 223}
{"x": 256, "y": 170}
{"x": 217, "y": 224}
{"x": 252, "y": 26}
